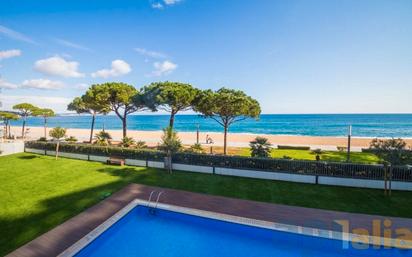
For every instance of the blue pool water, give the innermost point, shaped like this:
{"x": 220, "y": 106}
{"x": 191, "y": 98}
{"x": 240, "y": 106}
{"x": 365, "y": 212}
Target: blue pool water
{"x": 171, "y": 234}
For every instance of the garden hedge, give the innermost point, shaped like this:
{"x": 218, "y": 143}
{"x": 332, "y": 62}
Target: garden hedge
{"x": 347, "y": 170}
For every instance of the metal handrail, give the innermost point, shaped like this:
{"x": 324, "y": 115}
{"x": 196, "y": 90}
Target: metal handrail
{"x": 150, "y": 198}
{"x": 152, "y": 210}
{"x": 157, "y": 200}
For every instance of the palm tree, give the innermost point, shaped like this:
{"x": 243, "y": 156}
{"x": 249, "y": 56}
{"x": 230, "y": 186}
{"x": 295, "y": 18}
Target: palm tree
{"x": 103, "y": 138}
{"x": 57, "y": 133}
{"x": 170, "y": 144}
{"x": 127, "y": 142}
{"x": 260, "y": 147}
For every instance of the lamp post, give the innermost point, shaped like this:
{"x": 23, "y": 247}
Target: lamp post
{"x": 349, "y": 138}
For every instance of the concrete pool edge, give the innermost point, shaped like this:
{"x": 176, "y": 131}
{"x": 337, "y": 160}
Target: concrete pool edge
{"x": 286, "y": 228}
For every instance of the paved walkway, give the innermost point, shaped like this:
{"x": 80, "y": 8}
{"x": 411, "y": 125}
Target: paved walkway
{"x": 63, "y": 236}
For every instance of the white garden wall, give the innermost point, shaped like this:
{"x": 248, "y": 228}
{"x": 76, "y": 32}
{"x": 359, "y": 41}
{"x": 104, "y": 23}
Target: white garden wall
{"x": 159, "y": 165}
{"x": 31, "y": 150}
{"x": 51, "y": 153}
{"x": 7, "y": 148}
{"x": 192, "y": 168}
{"x": 267, "y": 175}
{"x": 74, "y": 156}
{"x": 399, "y": 185}
{"x": 131, "y": 162}
{"x": 98, "y": 158}
{"x": 350, "y": 182}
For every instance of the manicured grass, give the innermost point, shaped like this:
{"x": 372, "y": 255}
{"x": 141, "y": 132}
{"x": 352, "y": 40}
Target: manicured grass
{"x": 330, "y": 156}
{"x": 37, "y": 193}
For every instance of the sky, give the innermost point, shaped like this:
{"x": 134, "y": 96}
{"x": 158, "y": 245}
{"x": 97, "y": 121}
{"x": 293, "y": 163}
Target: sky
{"x": 296, "y": 56}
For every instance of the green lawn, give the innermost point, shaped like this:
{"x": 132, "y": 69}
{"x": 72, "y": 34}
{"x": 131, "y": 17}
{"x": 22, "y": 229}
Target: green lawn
{"x": 330, "y": 156}
{"x": 37, "y": 193}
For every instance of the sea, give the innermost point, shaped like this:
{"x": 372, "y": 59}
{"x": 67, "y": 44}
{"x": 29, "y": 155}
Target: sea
{"x": 363, "y": 125}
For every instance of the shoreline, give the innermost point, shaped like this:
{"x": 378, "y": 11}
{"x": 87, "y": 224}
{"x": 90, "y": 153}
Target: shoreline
{"x": 234, "y": 139}
{"x": 17, "y": 129}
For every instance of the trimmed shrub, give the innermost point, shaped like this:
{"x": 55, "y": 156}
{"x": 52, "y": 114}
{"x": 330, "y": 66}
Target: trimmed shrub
{"x": 71, "y": 139}
{"x": 342, "y": 148}
{"x": 129, "y": 153}
{"x": 291, "y": 147}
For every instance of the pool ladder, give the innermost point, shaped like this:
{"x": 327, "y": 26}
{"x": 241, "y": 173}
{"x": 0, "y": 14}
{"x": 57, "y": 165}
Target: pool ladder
{"x": 152, "y": 209}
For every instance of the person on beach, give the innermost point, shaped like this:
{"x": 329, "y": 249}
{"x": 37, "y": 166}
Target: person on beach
{"x": 209, "y": 140}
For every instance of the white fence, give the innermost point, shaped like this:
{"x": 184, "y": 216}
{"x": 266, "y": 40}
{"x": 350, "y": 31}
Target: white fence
{"x": 283, "y": 176}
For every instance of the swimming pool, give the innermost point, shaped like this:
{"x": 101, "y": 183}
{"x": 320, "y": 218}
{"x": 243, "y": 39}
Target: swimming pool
{"x": 138, "y": 232}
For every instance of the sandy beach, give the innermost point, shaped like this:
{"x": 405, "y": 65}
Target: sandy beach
{"x": 234, "y": 139}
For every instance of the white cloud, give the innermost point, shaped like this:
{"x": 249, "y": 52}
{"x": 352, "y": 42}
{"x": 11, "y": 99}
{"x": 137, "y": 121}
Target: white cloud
{"x": 162, "y": 3}
{"x": 70, "y": 44}
{"x": 15, "y": 35}
{"x": 171, "y": 2}
{"x": 42, "y": 84}
{"x": 157, "y": 6}
{"x": 58, "y": 104}
{"x": 82, "y": 86}
{"x": 149, "y": 53}
{"x": 163, "y": 68}
{"x": 57, "y": 66}
{"x": 7, "y": 85}
{"x": 118, "y": 68}
{"x": 9, "y": 53}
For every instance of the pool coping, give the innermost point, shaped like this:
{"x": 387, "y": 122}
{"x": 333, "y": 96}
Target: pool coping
{"x": 65, "y": 235}
{"x": 280, "y": 227}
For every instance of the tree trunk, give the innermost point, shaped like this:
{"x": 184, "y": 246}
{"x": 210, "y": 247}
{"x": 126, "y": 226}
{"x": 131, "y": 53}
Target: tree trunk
{"x": 9, "y": 130}
{"x": 22, "y": 129}
{"x": 57, "y": 148}
{"x": 168, "y": 163}
{"x": 92, "y": 128}
{"x": 225, "y": 141}
{"x": 124, "y": 122}
{"x": 172, "y": 119}
{"x": 45, "y": 128}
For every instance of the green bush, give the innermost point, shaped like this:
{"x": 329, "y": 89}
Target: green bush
{"x": 195, "y": 148}
{"x": 138, "y": 154}
{"x": 71, "y": 139}
{"x": 291, "y": 147}
{"x": 140, "y": 144}
{"x": 342, "y": 148}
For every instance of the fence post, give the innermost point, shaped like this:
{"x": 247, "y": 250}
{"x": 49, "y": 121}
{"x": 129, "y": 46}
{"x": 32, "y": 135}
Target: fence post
{"x": 385, "y": 177}
{"x": 390, "y": 179}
